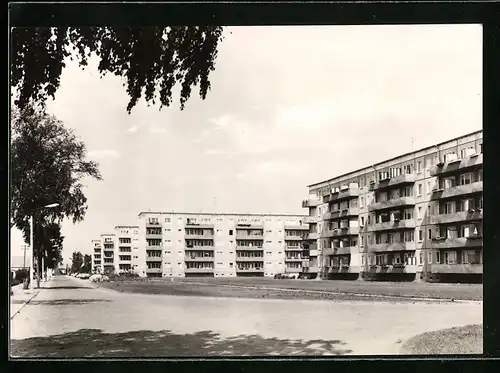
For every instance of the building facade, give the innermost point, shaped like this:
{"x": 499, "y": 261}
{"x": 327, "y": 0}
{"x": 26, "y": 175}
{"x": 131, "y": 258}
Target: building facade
{"x": 414, "y": 217}
{"x": 97, "y": 261}
{"x": 219, "y": 245}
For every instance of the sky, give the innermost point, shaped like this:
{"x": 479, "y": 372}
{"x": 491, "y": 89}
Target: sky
{"x": 289, "y": 106}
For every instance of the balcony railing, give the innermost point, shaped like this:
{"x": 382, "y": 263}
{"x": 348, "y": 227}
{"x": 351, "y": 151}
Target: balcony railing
{"x": 458, "y": 242}
{"x": 199, "y": 226}
{"x": 249, "y": 237}
{"x": 313, "y": 236}
{"x": 339, "y": 232}
{"x": 150, "y": 224}
{"x": 459, "y": 190}
{"x": 294, "y": 238}
{"x": 154, "y": 270}
{"x": 457, "y": 268}
{"x": 157, "y": 236}
{"x": 251, "y": 270}
{"x": 199, "y": 270}
{"x": 338, "y": 214}
{"x": 392, "y": 225}
{"x": 154, "y": 247}
{"x": 392, "y": 203}
{"x": 198, "y": 258}
{"x": 199, "y": 248}
{"x": 294, "y": 259}
{"x": 473, "y": 161}
{"x": 392, "y": 268}
{"x": 310, "y": 203}
{"x": 256, "y": 259}
{"x": 205, "y": 236}
{"x": 395, "y": 181}
{"x": 249, "y": 248}
{"x": 336, "y": 268}
{"x": 342, "y": 195}
{"x": 294, "y": 248}
{"x": 153, "y": 258}
{"x": 109, "y": 248}
{"x": 471, "y": 215}
{"x": 311, "y": 219}
{"x": 339, "y": 250}
{"x": 394, "y": 246}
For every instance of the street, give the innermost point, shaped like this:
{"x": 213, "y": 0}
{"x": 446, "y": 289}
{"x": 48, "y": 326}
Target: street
{"x": 74, "y": 318}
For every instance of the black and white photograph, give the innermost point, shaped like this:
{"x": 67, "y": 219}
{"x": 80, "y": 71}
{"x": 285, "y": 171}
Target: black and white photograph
{"x": 246, "y": 191}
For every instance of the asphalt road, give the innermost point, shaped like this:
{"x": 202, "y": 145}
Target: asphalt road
{"x": 73, "y": 318}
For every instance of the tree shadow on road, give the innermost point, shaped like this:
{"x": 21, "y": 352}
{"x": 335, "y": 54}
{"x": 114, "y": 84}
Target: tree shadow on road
{"x": 62, "y": 302}
{"x": 67, "y": 287}
{"x": 93, "y": 343}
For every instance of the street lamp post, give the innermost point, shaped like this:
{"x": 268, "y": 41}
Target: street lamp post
{"x": 32, "y": 242}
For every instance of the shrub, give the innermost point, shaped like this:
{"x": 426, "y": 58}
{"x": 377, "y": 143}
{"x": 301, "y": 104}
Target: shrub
{"x": 21, "y": 274}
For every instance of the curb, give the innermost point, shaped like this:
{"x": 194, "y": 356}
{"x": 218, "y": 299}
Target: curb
{"x": 24, "y": 305}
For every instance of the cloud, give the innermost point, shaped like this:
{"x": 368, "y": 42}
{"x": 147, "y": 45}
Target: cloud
{"x": 223, "y": 121}
{"x": 132, "y": 129}
{"x": 103, "y": 153}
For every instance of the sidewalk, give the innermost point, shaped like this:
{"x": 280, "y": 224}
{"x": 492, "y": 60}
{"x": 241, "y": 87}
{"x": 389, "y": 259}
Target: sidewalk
{"x": 21, "y": 297}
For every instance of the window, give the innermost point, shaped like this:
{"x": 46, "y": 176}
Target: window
{"x": 421, "y": 258}
{"x": 450, "y": 257}
{"x": 449, "y": 207}
{"x": 230, "y": 232}
{"x": 419, "y": 166}
{"x": 419, "y": 212}
{"x": 362, "y": 221}
{"x": 429, "y": 257}
{"x": 408, "y": 191}
{"x": 168, "y": 220}
{"x": 419, "y": 190}
{"x": 409, "y": 236}
{"x": 438, "y": 257}
{"x": 449, "y": 182}
{"x": 428, "y": 187}
{"x": 420, "y": 235}
{"x": 429, "y": 234}
{"x": 481, "y": 148}
{"x": 465, "y": 179}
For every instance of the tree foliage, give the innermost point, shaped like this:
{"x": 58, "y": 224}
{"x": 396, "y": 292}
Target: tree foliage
{"x": 48, "y": 166}
{"x": 76, "y": 262}
{"x": 87, "y": 264}
{"x": 50, "y": 240}
{"x": 151, "y": 60}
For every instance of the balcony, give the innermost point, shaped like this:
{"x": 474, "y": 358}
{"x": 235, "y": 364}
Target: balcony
{"x": 249, "y": 237}
{"x": 395, "y": 181}
{"x": 250, "y": 226}
{"x": 153, "y": 258}
{"x": 296, "y": 228}
{"x": 458, "y": 190}
{"x": 471, "y": 215}
{"x": 342, "y": 195}
{"x": 392, "y": 203}
{"x": 205, "y": 236}
{"x": 249, "y": 248}
{"x": 294, "y": 248}
{"x": 392, "y": 225}
{"x": 338, "y": 214}
{"x": 150, "y": 224}
{"x": 340, "y": 232}
{"x": 294, "y": 260}
{"x": 346, "y": 250}
{"x": 310, "y": 203}
{"x": 250, "y": 270}
{"x": 109, "y": 248}
{"x": 255, "y": 259}
{"x": 198, "y": 270}
{"x": 473, "y": 161}
{"x": 198, "y": 259}
{"x": 153, "y": 236}
{"x": 313, "y": 252}
{"x": 459, "y": 242}
{"x": 339, "y": 268}
{"x": 457, "y": 268}
{"x": 154, "y": 270}
{"x": 127, "y": 259}
{"x": 199, "y": 226}
{"x": 154, "y": 247}
{"x": 293, "y": 270}
{"x": 294, "y": 238}
{"x": 199, "y": 248}
{"x": 313, "y": 236}
{"x": 311, "y": 219}
{"x": 392, "y": 268}
{"x": 394, "y": 246}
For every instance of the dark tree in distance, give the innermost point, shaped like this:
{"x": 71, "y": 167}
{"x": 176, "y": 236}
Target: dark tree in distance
{"x": 152, "y": 60}
{"x": 51, "y": 241}
{"x": 48, "y": 166}
{"x": 87, "y": 264}
{"x": 76, "y": 262}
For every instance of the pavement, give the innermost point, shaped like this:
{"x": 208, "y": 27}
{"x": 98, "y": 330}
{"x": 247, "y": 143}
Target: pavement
{"x": 74, "y": 318}
{"x": 21, "y": 297}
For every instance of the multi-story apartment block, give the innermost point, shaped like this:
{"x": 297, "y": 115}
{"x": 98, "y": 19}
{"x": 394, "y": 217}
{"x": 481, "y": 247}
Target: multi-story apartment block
{"x": 108, "y": 252}
{"x": 225, "y": 245}
{"x": 414, "y": 217}
{"x": 97, "y": 260}
{"x": 126, "y": 248}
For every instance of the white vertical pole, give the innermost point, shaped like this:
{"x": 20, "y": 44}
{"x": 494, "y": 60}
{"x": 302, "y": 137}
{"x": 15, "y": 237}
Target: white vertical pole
{"x": 31, "y": 253}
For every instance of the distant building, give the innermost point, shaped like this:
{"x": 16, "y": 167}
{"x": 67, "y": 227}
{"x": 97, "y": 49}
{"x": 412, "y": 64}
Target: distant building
{"x": 18, "y": 262}
{"x": 417, "y": 216}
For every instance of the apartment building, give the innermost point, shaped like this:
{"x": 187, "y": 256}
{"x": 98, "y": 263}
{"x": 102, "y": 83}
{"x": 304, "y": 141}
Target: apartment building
{"x": 127, "y": 252}
{"x": 413, "y": 217}
{"x": 220, "y": 245}
{"x": 97, "y": 260}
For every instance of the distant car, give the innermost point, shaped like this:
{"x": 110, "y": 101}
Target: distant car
{"x": 84, "y": 276}
{"x": 285, "y": 276}
{"x": 97, "y": 277}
